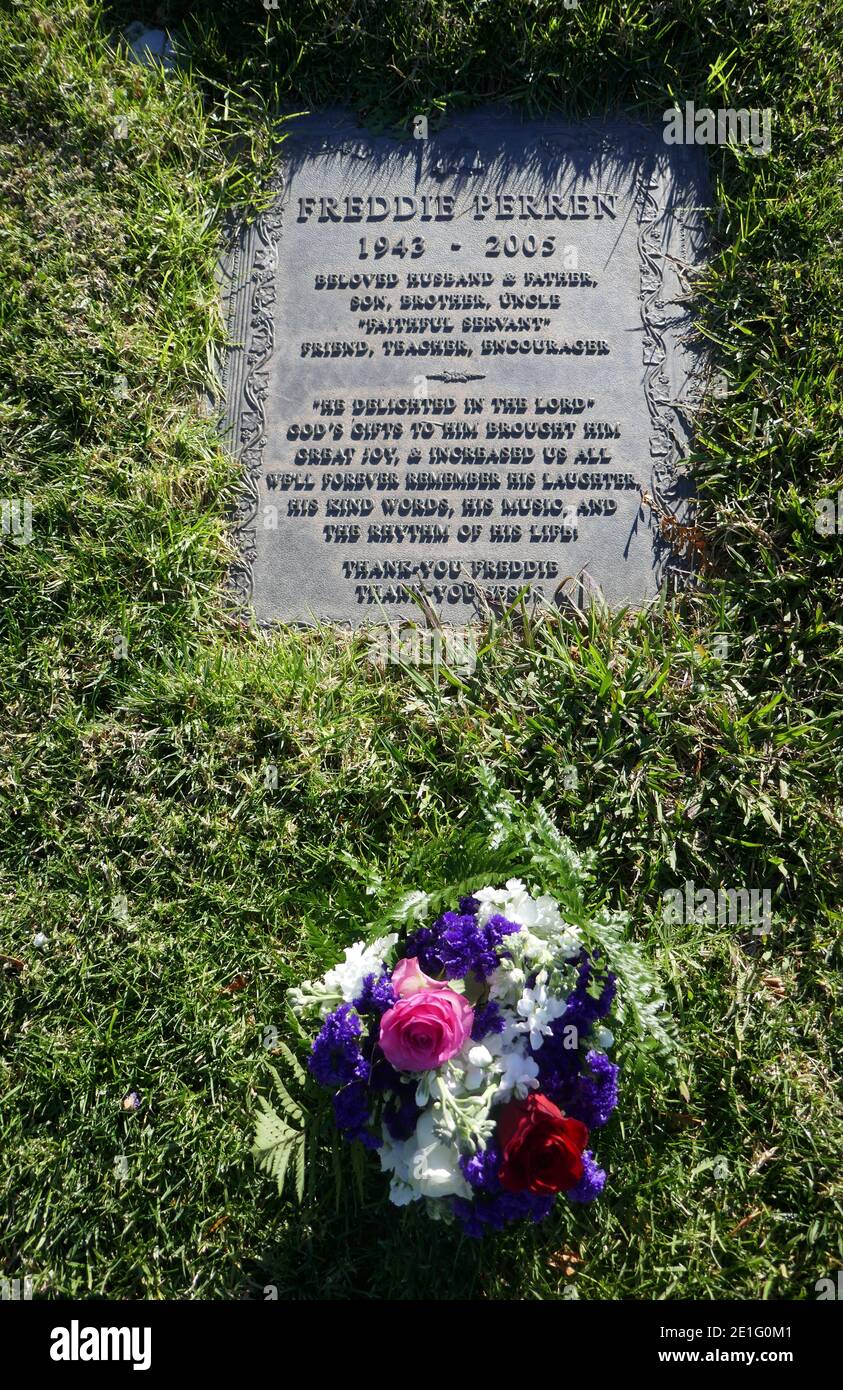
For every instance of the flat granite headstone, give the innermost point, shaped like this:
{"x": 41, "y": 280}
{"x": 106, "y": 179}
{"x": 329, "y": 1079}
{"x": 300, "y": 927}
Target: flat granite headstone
{"x": 462, "y": 365}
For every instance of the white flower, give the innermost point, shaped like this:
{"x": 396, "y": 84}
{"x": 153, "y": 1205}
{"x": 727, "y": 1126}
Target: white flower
{"x": 535, "y": 949}
{"x": 494, "y": 900}
{"x": 544, "y": 938}
{"x": 507, "y": 982}
{"x": 501, "y": 1058}
{"x": 395, "y": 1156}
{"x": 519, "y": 1074}
{"x": 401, "y": 1194}
{"x": 425, "y": 1165}
{"x": 538, "y": 1009}
{"x": 359, "y": 961}
{"x": 477, "y": 1063}
{"x": 566, "y": 941}
{"x": 436, "y": 1168}
{"x": 343, "y": 982}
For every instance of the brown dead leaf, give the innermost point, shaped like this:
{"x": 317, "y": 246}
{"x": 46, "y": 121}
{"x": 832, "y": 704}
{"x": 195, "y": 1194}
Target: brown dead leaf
{"x": 745, "y": 1222}
{"x": 234, "y": 986}
{"x": 566, "y": 1260}
{"x": 680, "y": 1118}
{"x": 774, "y": 985}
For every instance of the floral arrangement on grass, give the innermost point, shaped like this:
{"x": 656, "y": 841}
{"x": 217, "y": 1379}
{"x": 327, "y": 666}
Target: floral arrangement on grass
{"x": 470, "y": 1047}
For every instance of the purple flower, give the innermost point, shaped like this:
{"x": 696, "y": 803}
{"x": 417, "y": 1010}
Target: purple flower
{"x": 456, "y": 946}
{"x": 492, "y": 1208}
{"x": 384, "y": 1077}
{"x": 469, "y": 1217}
{"x": 591, "y": 1183}
{"x": 595, "y": 1092}
{"x": 480, "y": 1169}
{"x": 495, "y": 1212}
{"x": 487, "y": 1019}
{"x": 376, "y": 996}
{"x": 351, "y": 1114}
{"x": 583, "y": 1009}
{"x": 336, "y": 1057}
{"x": 400, "y": 1113}
{"x": 561, "y": 1058}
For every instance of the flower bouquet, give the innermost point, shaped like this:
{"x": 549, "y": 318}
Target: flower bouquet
{"x": 470, "y": 1049}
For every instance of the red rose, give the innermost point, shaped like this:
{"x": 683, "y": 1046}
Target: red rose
{"x": 541, "y": 1148}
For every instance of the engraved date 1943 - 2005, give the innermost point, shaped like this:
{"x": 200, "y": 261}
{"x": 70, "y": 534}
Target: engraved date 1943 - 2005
{"x": 416, "y": 247}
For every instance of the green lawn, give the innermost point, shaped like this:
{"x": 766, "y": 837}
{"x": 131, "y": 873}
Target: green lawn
{"x": 138, "y": 833}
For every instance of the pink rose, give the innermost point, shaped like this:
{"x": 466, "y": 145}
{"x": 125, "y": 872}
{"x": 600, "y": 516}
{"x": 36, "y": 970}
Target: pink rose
{"x": 425, "y": 1029}
{"x": 409, "y": 978}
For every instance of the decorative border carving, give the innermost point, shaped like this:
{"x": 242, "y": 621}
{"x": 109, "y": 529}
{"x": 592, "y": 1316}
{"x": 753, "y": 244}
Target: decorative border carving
{"x": 250, "y": 323}
{"x": 651, "y": 251}
{"x": 669, "y": 432}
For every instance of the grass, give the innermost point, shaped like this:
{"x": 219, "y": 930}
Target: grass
{"x": 179, "y": 896}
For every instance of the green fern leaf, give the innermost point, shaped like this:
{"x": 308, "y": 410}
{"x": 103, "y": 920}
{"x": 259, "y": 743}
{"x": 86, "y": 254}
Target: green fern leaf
{"x": 288, "y": 1105}
{"x": 300, "y": 1170}
{"x": 275, "y": 1142}
{"x": 293, "y": 1063}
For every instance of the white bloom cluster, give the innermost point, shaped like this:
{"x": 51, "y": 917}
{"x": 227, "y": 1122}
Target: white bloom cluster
{"x": 425, "y": 1165}
{"x": 344, "y": 982}
{"x": 545, "y": 942}
{"x": 545, "y": 937}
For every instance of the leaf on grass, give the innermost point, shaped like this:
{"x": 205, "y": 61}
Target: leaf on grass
{"x": 275, "y": 1144}
{"x": 288, "y": 1105}
{"x": 566, "y": 1260}
{"x": 300, "y": 1172}
{"x": 293, "y": 1063}
{"x": 234, "y": 986}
